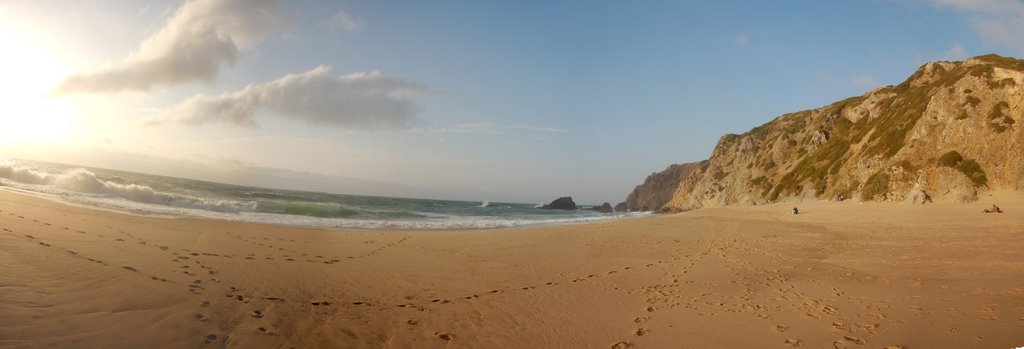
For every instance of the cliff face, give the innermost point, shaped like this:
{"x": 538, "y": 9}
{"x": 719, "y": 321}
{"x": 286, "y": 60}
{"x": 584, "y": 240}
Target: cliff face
{"x": 658, "y": 188}
{"x": 950, "y": 130}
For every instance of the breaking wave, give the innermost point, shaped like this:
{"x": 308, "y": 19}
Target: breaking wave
{"x": 84, "y": 181}
{"x": 176, "y": 197}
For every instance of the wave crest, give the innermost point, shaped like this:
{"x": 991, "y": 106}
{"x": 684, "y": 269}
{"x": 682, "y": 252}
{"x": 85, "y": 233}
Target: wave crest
{"x": 84, "y": 181}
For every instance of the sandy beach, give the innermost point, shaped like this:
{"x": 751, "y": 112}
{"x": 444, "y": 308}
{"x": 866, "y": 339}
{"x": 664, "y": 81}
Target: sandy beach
{"x": 839, "y": 275}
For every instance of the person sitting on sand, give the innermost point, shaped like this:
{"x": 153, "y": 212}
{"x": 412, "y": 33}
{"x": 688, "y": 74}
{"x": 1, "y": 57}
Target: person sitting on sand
{"x": 994, "y": 209}
{"x": 795, "y": 211}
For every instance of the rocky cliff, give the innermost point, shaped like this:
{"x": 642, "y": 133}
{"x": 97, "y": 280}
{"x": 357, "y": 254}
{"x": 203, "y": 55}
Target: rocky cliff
{"x": 950, "y": 130}
{"x": 658, "y": 188}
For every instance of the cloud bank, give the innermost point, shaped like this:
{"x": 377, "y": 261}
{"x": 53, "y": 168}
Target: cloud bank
{"x": 342, "y": 20}
{"x": 200, "y": 38}
{"x": 356, "y": 101}
{"x": 741, "y": 40}
{"x": 864, "y": 81}
{"x": 998, "y": 21}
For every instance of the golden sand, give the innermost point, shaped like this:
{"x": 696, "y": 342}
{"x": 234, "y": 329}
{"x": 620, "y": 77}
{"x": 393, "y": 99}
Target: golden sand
{"x": 839, "y": 275}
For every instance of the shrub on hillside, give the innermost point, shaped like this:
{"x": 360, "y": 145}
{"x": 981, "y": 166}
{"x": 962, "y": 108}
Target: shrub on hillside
{"x": 973, "y": 170}
{"x": 877, "y": 185}
{"x": 950, "y": 159}
{"x": 970, "y": 168}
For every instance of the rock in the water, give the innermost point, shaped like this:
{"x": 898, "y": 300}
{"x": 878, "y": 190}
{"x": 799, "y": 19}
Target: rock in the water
{"x": 605, "y": 208}
{"x": 620, "y": 207}
{"x": 562, "y": 203}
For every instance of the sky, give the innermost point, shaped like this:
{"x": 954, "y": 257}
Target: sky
{"x": 516, "y": 101}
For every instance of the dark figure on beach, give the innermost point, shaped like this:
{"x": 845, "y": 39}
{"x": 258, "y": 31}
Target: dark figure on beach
{"x": 927, "y": 198}
{"x": 994, "y": 209}
{"x": 795, "y": 211}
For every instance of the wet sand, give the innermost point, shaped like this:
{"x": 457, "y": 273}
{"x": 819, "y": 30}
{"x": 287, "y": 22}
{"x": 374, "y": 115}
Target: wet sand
{"x": 839, "y": 275}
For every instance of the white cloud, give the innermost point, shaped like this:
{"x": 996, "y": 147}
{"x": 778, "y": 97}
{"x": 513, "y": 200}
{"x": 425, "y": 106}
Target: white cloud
{"x": 355, "y": 101}
{"x": 955, "y": 53}
{"x": 343, "y": 20}
{"x": 864, "y": 81}
{"x": 484, "y": 127}
{"x": 999, "y": 22}
{"x": 200, "y": 38}
{"x": 741, "y": 40}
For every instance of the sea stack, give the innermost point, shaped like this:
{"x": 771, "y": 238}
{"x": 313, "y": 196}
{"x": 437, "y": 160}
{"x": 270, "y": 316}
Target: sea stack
{"x": 562, "y": 203}
{"x": 604, "y": 208}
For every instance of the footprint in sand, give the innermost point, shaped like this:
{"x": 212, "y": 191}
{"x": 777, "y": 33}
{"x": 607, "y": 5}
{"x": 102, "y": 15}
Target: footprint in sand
{"x": 854, "y": 339}
{"x": 210, "y": 338}
{"x": 793, "y": 342}
{"x": 640, "y": 332}
{"x": 201, "y": 317}
{"x": 622, "y": 345}
{"x": 129, "y": 268}
{"x": 204, "y": 304}
{"x": 445, "y": 336}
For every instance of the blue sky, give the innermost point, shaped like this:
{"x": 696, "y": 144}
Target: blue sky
{"x": 504, "y": 101}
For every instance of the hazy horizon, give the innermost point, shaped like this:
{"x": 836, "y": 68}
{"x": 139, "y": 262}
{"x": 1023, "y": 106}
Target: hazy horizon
{"x": 516, "y": 102}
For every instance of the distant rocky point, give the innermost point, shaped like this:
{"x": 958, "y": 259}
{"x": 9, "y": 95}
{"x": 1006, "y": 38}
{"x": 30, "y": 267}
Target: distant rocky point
{"x": 604, "y": 208}
{"x": 562, "y": 203}
{"x": 658, "y": 188}
{"x": 946, "y": 133}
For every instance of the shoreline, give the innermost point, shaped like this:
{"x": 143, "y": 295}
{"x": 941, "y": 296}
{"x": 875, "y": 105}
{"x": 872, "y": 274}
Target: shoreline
{"x": 935, "y": 276}
{"x": 141, "y": 213}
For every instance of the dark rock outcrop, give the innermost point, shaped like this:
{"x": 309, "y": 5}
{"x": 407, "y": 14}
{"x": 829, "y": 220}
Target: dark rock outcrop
{"x": 658, "y": 188}
{"x": 562, "y": 203}
{"x": 621, "y": 207}
{"x": 604, "y": 208}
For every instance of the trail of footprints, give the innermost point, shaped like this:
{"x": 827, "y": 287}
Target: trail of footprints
{"x": 193, "y": 286}
{"x": 670, "y": 295}
{"x": 316, "y": 258}
{"x": 667, "y": 295}
{"x": 191, "y": 265}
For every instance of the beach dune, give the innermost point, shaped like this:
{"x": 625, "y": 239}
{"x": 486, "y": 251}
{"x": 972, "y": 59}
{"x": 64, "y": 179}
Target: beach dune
{"x": 839, "y": 275}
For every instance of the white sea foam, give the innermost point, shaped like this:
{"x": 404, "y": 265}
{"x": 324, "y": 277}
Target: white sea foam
{"x": 85, "y": 182}
{"x": 449, "y": 222}
{"x": 118, "y": 192}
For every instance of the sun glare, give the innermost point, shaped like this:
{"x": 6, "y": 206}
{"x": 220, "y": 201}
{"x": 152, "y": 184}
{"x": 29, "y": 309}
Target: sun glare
{"x": 28, "y": 73}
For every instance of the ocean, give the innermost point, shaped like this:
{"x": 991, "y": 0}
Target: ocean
{"x": 177, "y": 197}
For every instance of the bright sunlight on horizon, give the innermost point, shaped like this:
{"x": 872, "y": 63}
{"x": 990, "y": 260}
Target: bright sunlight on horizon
{"x": 30, "y": 113}
{"x": 457, "y": 100}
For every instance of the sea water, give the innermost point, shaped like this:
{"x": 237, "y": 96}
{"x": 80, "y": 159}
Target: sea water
{"x": 177, "y": 197}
